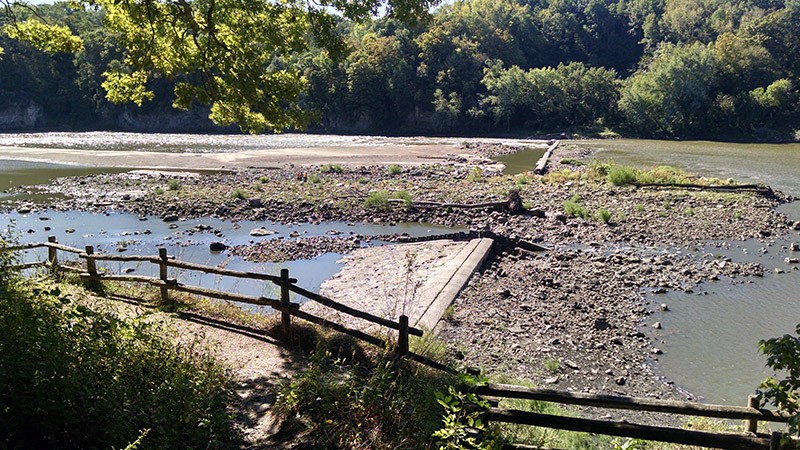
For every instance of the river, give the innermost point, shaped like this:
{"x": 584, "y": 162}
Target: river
{"x": 710, "y": 338}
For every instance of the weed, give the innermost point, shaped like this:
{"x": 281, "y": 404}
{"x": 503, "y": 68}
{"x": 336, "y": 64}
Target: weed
{"x": 603, "y": 215}
{"x": 402, "y": 195}
{"x": 572, "y": 162}
{"x": 394, "y": 169}
{"x": 476, "y": 176}
{"x": 689, "y": 211}
{"x": 362, "y": 180}
{"x": 737, "y": 215}
{"x": 158, "y": 191}
{"x": 561, "y": 176}
{"x": 666, "y": 204}
{"x": 314, "y": 178}
{"x": 173, "y": 185}
{"x": 264, "y": 179}
{"x": 449, "y": 313}
{"x": 621, "y": 175}
{"x": 377, "y": 199}
{"x": 258, "y": 186}
{"x": 576, "y": 198}
{"x": 639, "y": 207}
{"x": 238, "y": 193}
{"x": 552, "y": 364}
{"x": 330, "y": 168}
{"x": 522, "y": 180}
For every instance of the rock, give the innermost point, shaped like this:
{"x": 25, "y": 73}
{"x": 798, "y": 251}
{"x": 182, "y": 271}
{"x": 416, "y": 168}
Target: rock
{"x": 620, "y": 381}
{"x": 536, "y": 212}
{"x": 791, "y": 260}
{"x": 656, "y": 351}
{"x": 170, "y": 218}
{"x": 142, "y": 218}
{"x": 571, "y": 364}
{"x": 261, "y": 231}
{"x": 664, "y": 307}
{"x": 796, "y": 225}
{"x": 657, "y": 325}
{"x": 217, "y": 246}
{"x": 69, "y": 230}
{"x": 659, "y": 290}
{"x": 255, "y": 202}
{"x": 47, "y": 228}
{"x": 23, "y": 210}
{"x": 601, "y": 324}
{"x": 129, "y": 270}
{"x": 778, "y": 270}
{"x": 551, "y": 380}
{"x": 294, "y": 234}
{"x": 795, "y": 247}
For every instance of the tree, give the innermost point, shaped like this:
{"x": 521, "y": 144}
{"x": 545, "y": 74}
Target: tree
{"x": 219, "y": 52}
{"x": 783, "y": 354}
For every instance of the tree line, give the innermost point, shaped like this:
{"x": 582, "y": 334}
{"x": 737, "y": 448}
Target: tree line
{"x": 654, "y": 68}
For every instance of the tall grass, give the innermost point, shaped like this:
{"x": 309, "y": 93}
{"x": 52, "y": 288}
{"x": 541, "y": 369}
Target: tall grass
{"x": 377, "y": 199}
{"x": 73, "y": 377}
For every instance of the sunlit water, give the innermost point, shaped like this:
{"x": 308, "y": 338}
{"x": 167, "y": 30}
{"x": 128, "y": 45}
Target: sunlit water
{"x": 109, "y": 232}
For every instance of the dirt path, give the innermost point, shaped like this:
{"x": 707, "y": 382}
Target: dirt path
{"x": 256, "y": 362}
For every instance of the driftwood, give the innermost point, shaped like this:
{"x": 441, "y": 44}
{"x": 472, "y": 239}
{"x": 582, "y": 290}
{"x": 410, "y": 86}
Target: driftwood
{"x": 542, "y": 163}
{"x": 512, "y": 204}
{"x": 757, "y": 188}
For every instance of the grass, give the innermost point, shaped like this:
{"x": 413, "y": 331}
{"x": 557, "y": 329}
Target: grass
{"x": 402, "y": 195}
{"x": 603, "y": 215}
{"x": 689, "y": 211}
{"x": 314, "y": 178}
{"x": 476, "y": 176}
{"x": 258, "y": 186}
{"x": 173, "y": 185}
{"x": 158, "y": 191}
{"x": 77, "y": 376}
{"x": 449, "y": 313}
{"x": 572, "y": 207}
{"x": 561, "y": 176}
{"x": 572, "y": 162}
{"x": 377, "y": 199}
{"x": 238, "y": 193}
{"x": 394, "y": 169}
{"x": 362, "y": 180}
{"x": 621, "y": 175}
{"x": 522, "y": 180}
{"x": 639, "y": 207}
{"x": 552, "y": 365}
{"x": 330, "y": 168}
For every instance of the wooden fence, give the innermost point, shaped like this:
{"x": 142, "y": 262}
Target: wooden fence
{"x": 751, "y": 414}
{"x": 286, "y": 284}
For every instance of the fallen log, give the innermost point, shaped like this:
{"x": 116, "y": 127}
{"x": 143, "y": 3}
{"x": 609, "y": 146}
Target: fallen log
{"x": 542, "y": 163}
{"x": 757, "y": 188}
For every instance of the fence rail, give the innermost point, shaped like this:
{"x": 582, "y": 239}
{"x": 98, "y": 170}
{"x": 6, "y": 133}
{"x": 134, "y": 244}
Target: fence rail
{"x": 751, "y": 414}
{"x": 286, "y": 308}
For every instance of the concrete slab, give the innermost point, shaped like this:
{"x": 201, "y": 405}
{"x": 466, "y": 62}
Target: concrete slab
{"x": 419, "y": 280}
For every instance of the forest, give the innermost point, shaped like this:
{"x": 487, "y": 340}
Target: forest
{"x": 717, "y": 69}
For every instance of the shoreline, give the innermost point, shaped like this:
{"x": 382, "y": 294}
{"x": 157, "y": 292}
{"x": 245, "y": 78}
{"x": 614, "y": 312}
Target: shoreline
{"x": 578, "y": 307}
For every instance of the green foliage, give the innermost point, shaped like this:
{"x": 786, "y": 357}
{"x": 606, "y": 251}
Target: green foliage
{"x": 314, "y": 178}
{"x": 158, "y": 190}
{"x": 603, "y": 215}
{"x": 689, "y": 211}
{"x": 49, "y": 38}
{"x": 522, "y": 180}
{"x": 174, "y": 185}
{"x": 476, "y": 176}
{"x": 364, "y": 402}
{"x": 362, "y": 180}
{"x": 394, "y": 169}
{"x": 572, "y": 162}
{"x": 462, "y": 412}
{"x": 621, "y": 175}
{"x": 552, "y": 364}
{"x": 238, "y": 194}
{"x": 77, "y": 377}
{"x": 573, "y": 209}
{"x": 402, "y": 195}
{"x": 639, "y": 207}
{"x": 783, "y": 356}
{"x": 377, "y": 199}
{"x": 330, "y": 168}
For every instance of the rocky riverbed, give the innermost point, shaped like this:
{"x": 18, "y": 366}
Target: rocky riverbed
{"x": 570, "y": 318}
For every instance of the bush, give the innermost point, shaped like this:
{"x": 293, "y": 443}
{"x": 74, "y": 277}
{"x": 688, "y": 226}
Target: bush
{"x": 173, "y": 185}
{"x": 77, "y": 378}
{"x": 572, "y": 162}
{"x": 639, "y": 207}
{"x": 394, "y": 169}
{"x": 238, "y": 193}
{"x": 689, "y": 211}
{"x": 402, "y": 195}
{"x": 158, "y": 191}
{"x": 783, "y": 356}
{"x": 377, "y": 199}
{"x": 330, "y": 168}
{"x": 603, "y": 215}
{"x": 476, "y": 176}
{"x": 621, "y": 175}
{"x": 362, "y": 180}
{"x": 574, "y": 209}
{"x": 314, "y": 178}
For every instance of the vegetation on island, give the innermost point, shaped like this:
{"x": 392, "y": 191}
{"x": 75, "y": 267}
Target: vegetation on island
{"x": 684, "y": 68}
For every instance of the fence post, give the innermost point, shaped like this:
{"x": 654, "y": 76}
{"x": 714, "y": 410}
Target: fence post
{"x": 286, "y": 318}
{"x": 775, "y": 441}
{"x": 91, "y": 267}
{"x": 162, "y": 273}
{"x": 751, "y": 425}
{"x": 402, "y": 337}
{"x": 52, "y": 255}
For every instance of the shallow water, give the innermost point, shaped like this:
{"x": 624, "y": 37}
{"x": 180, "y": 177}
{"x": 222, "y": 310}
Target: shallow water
{"x": 23, "y": 173}
{"x": 107, "y": 232}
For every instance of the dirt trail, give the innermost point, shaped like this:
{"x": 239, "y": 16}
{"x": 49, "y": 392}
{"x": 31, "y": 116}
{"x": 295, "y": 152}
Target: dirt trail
{"x": 256, "y": 362}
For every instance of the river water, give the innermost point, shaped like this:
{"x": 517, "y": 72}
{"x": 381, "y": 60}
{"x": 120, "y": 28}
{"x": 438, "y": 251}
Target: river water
{"x": 710, "y": 338}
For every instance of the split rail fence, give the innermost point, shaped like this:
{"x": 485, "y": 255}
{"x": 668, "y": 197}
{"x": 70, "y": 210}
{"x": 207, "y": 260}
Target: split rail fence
{"x": 751, "y": 414}
{"x": 283, "y": 305}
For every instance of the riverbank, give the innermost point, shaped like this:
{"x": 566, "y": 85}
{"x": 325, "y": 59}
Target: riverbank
{"x": 569, "y": 318}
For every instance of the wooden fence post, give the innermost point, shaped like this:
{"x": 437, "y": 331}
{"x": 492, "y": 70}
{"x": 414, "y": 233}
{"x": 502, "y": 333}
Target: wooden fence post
{"x": 52, "y": 255}
{"x": 286, "y": 318}
{"x": 91, "y": 267}
{"x": 402, "y": 337}
{"x": 775, "y": 440}
{"x": 751, "y": 425}
{"x": 162, "y": 273}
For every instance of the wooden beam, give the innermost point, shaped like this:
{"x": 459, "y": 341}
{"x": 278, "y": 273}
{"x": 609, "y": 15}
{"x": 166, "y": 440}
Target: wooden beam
{"x": 631, "y": 403}
{"x": 652, "y": 433}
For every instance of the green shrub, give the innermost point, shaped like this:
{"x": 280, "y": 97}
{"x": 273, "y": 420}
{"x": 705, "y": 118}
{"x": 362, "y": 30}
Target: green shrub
{"x": 258, "y": 186}
{"x": 603, "y": 215}
{"x": 522, "y": 180}
{"x": 402, "y": 195}
{"x": 314, "y": 178}
{"x": 173, "y": 185}
{"x": 666, "y": 204}
{"x": 476, "y": 176}
{"x": 74, "y": 377}
{"x": 552, "y": 364}
{"x": 394, "y": 169}
{"x": 264, "y": 179}
{"x": 362, "y": 180}
{"x": 689, "y": 211}
{"x": 238, "y": 193}
{"x": 574, "y": 209}
{"x": 639, "y": 207}
{"x": 330, "y": 168}
{"x": 572, "y": 162}
{"x": 378, "y": 402}
{"x": 377, "y": 199}
{"x": 738, "y": 215}
{"x": 621, "y": 175}
{"x": 158, "y": 191}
